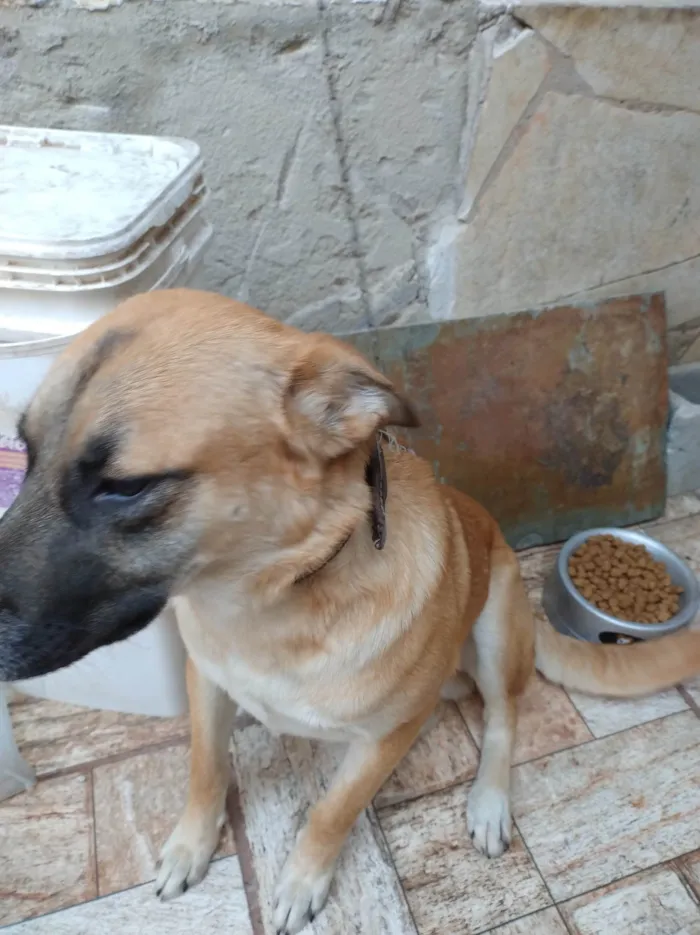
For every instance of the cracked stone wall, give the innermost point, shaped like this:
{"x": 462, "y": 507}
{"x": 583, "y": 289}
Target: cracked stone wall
{"x": 330, "y": 133}
{"x": 390, "y": 161}
{"x": 582, "y": 177}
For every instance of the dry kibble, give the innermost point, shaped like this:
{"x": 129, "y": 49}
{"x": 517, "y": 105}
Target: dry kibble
{"x": 624, "y": 580}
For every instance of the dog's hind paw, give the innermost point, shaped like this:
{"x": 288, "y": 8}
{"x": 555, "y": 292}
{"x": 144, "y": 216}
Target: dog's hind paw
{"x": 300, "y": 895}
{"x": 488, "y": 819}
{"x": 186, "y": 855}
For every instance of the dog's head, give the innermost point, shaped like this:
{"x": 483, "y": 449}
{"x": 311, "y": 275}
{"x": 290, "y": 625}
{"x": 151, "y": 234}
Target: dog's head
{"x": 180, "y": 435}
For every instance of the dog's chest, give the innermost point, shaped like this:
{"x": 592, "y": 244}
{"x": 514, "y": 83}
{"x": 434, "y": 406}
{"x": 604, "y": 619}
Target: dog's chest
{"x": 322, "y": 698}
{"x": 278, "y": 701}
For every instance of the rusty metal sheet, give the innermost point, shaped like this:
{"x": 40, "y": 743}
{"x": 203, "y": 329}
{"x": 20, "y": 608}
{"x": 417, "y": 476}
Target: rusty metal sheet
{"x": 555, "y": 419}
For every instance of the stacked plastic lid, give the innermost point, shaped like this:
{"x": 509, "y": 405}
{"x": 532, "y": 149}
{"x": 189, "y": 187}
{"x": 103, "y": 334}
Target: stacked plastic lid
{"x": 87, "y": 220}
{"x": 98, "y": 216}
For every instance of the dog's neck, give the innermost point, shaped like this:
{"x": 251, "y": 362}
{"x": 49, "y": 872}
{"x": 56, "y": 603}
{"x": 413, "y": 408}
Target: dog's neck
{"x": 376, "y": 479}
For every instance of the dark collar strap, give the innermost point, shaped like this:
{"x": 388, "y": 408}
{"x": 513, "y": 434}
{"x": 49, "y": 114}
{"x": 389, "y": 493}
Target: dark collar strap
{"x": 375, "y": 476}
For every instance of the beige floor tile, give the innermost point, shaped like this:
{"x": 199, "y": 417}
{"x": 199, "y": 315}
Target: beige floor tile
{"x": 443, "y": 756}
{"x": 546, "y": 922}
{"x": 536, "y": 564}
{"x": 450, "y": 887}
{"x": 547, "y": 721}
{"x": 606, "y": 716}
{"x": 596, "y": 813}
{"x": 137, "y": 803}
{"x": 278, "y": 778}
{"x": 217, "y": 906}
{"x": 54, "y": 736}
{"x": 653, "y": 903}
{"x": 683, "y": 536}
{"x": 46, "y": 849}
{"x": 679, "y": 507}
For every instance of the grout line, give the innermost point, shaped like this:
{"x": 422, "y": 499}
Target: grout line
{"x": 687, "y": 883}
{"x": 622, "y": 730}
{"x": 383, "y": 844}
{"x": 60, "y": 910}
{"x": 565, "y": 922}
{"x": 529, "y": 915}
{"x": 552, "y": 903}
{"x": 432, "y": 793}
{"x": 577, "y": 746}
{"x": 175, "y": 741}
{"x": 90, "y": 777}
{"x": 426, "y": 795}
{"x": 684, "y": 874}
{"x": 534, "y": 863}
{"x": 585, "y": 743}
{"x": 236, "y": 818}
{"x": 670, "y": 864}
{"x": 689, "y": 700}
{"x": 421, "y": 794}
{"x": 579, "y": 712}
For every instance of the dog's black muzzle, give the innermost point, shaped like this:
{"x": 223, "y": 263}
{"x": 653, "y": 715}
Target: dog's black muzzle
{"x": 62, "y": 593}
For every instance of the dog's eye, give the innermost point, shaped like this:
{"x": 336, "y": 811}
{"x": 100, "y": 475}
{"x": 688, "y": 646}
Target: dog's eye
{"x": 116, "y": 489}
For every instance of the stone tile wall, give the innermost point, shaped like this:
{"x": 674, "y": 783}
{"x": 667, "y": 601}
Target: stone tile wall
{"x": 580, "y": 179}
{"x": 400, "y": 160}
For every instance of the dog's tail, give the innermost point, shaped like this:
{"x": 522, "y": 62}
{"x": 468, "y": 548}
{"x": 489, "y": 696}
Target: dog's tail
{"x": 616, "y": 671}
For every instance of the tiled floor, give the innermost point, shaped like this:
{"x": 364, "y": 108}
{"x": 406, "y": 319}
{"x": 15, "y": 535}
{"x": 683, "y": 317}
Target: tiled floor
{"x": 606, "y": 798}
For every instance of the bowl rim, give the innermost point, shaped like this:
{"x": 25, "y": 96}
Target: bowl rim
{"x": 681, "y": 619}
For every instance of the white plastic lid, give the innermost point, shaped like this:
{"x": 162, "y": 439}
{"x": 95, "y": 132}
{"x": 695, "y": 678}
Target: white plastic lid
{"x": 73, "y": 195}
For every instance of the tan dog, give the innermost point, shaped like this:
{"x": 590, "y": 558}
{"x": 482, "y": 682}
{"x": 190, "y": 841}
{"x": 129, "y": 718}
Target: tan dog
{"x": 189, "y": 447}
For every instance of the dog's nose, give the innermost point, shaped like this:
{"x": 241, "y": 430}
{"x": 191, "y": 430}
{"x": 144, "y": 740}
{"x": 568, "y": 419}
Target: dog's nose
{"x": 8, "y": 607}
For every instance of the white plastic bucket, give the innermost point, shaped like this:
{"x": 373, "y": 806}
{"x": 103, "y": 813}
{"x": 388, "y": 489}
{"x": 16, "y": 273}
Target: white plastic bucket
{"x": 142, "y": 675}
{"x": 29, "y": 320}
{"x": 87, "y": 220}
{"x": 16, "y": 775}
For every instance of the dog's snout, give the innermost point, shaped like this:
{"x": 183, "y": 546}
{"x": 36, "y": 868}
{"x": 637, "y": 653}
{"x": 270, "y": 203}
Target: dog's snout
{"x": 61, "y": 593}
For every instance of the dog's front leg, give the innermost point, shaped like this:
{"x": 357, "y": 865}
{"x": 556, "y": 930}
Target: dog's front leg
{"x": 307, "y": 874}
{"x": 186, "y": 855}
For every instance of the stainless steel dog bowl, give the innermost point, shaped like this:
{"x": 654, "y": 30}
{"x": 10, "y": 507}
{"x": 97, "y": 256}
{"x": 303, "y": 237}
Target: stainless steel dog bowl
{"x": 570, "y": 613}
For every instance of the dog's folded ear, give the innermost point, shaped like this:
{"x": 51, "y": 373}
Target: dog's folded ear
{"x": 336, "y": 400}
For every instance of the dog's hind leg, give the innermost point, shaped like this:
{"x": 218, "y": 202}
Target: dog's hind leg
{"x": 186, "y": 855}
{"x": 500, "y": 657}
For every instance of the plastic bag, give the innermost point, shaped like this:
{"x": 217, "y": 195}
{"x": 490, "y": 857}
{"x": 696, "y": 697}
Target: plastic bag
{"x": 15, "y": 774}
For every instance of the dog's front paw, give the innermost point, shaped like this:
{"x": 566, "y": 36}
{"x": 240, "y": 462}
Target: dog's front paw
{"x": 488, "y": 819}
{"x": 301, "y": 893}
{"x": 186, "y": 855}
